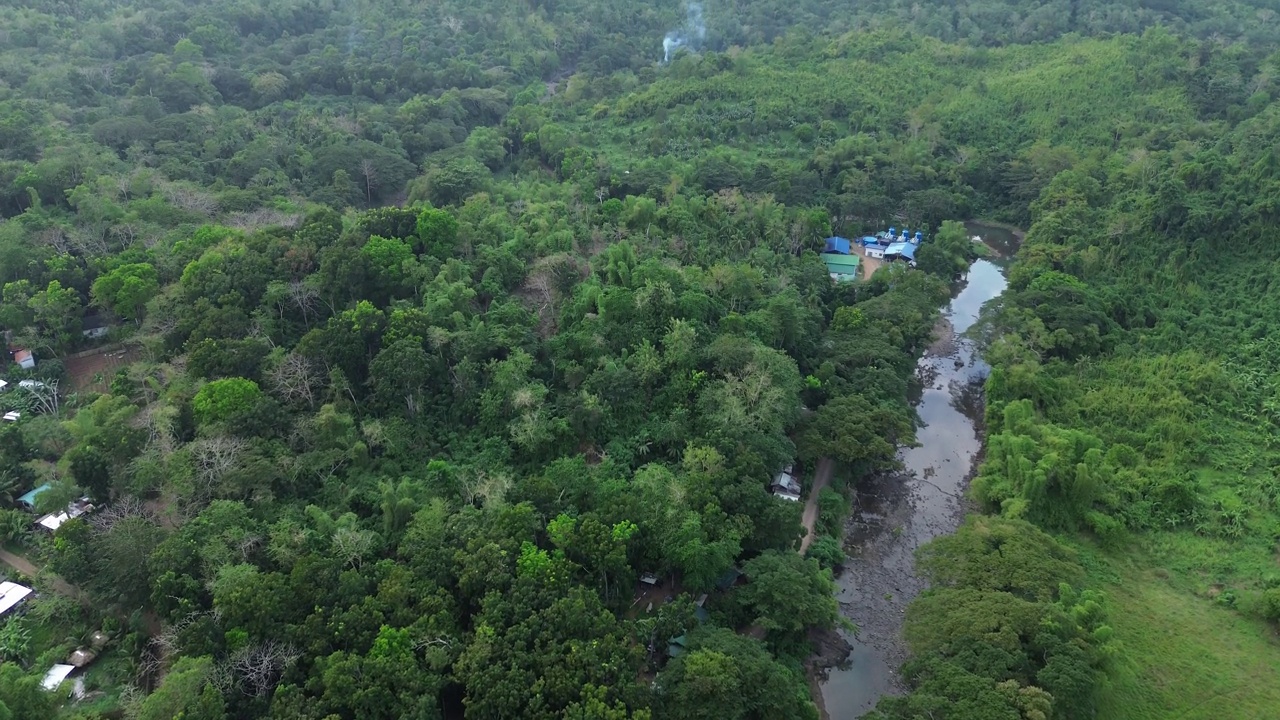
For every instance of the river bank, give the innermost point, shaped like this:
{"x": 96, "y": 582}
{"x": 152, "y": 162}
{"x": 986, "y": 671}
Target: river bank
{"x": 895, "y": 513}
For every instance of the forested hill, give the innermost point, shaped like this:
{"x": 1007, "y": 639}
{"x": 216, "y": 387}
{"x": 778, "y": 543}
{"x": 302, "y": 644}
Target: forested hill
{"x": 433, "y": 328}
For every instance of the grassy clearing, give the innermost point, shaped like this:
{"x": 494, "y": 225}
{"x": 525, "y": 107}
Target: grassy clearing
{"x": 1187, "y": 657}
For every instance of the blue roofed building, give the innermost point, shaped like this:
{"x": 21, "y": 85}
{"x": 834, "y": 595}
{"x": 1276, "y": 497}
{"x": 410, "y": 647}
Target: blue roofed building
{"x": 838, "y": 245}
{"x": 901, "y": 251}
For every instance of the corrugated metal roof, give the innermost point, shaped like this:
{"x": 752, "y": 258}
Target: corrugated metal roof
{"x": 838, "y": 245}
{"x": 904, "y": 249}
{"x": 30, "y": 498}
{"x": 841, "y": 261}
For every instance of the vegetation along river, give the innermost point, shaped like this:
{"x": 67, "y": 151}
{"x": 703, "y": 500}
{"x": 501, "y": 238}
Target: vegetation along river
{"x": 896, "y": 513}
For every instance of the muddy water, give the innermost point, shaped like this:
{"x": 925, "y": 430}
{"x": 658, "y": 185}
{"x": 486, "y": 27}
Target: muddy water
{"x": 897, "y": 513}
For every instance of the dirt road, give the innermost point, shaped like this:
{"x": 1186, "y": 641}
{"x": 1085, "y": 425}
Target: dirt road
{"x": 24, "y": 566}
{"x": 821, "y": 479}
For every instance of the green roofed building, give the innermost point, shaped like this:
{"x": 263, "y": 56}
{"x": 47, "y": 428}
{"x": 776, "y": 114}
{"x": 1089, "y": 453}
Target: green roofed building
{"x": 843, "y": 268}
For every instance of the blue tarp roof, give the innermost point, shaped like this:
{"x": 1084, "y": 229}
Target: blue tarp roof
{"x": 905, "y": 249}
{"x": 30, "y": 498}
{"x": 837, "y": 245}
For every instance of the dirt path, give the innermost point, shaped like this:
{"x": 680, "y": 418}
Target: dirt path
{"x": 869, "y": 264}
{"x": 821, "y": 479}
{"x": 26, "y": 567}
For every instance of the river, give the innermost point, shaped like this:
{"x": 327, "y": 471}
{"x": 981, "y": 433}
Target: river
{"x": 896, "y": 513}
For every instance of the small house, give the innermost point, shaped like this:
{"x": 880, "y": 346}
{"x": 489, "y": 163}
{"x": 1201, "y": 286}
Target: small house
{"x": 838, "y": 245}
{"x": 901, "y": 251}
{"x": 842, "y": 268}
{"x": 785, "y": 485}
{"x": 28, "y": 500}
{"x": 11, "y": 595}
{"x": 677, "y": 646}
{"x": 729, "y": 579}
{"x": 56, "y": 676}
{"x": 3, "y": 384}
{"x": 25, "y": 359}
{"x": 12, "y": 416}
{"x": 53, "y": 521}
{"x": 95, "y": 326}
{"x": 874, "y": 251}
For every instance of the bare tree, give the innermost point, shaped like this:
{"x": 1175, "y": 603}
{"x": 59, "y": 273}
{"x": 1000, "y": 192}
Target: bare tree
{"x": 264, "y": 218}
{"x": 125, "y": 508}
{"x": 213, "y": 458}
{"x": 191, "y": 200}
{"x": 351, "y": 545}
{"x": 90, "y": 240}
{"x": 260, "y": 667}
{"x": 295, "y": 379}
{"x": 305, "y": 296}
{"x": 56, "y": 238}
{"x": 369, "y": 170}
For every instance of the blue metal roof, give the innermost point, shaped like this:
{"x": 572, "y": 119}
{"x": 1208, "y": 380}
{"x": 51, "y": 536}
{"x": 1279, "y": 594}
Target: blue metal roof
{"x": 29, "y": 499}
{"x": 837, "y": 245}
{"x": 904, "y": 249}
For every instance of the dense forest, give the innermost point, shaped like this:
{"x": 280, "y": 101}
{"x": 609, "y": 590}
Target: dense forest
{"x": 396, "y": 343}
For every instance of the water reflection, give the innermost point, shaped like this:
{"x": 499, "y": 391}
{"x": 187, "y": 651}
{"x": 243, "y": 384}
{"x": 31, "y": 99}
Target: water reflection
{"x": 897, "y": 513}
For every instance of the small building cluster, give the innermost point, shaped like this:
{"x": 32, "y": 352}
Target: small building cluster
{"x": 842, "y": 264}
{"x": 890, "y": 245}
{"x": 54, "y": 520}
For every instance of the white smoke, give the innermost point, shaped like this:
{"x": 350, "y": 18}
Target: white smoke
{"x": 689, "y": 35}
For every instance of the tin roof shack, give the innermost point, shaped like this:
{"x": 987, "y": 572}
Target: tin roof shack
{"x": 28, "y": 500}
{"x": 25, "y": 359}
{"x": 11, "y": 595}
{"x": 786, "y": 486}
{"x": 53, "y": 521}
{"x": 56, "y": 676}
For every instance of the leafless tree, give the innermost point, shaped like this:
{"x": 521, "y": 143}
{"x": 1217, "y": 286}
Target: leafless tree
{"x": 263, "y": 218}
{"x": 295, "y": 379}
{"x": 260, "y": 667}
{"x": 352, "y": 545}
{"x": 489, "y": 488}
{"x": 125, "y": 508}
{"x": 213, "y": 458}
{"x": 56, "y": 238}
{"x": 191, "y": 200}
{"x": 158, "y": 420}
{"x": 305, "y": 296}
{"x": 90, "y": 240}
{"x": 346, "y": 124}
{"x": 124, "y": 234}
{"x": 369, "y": 170}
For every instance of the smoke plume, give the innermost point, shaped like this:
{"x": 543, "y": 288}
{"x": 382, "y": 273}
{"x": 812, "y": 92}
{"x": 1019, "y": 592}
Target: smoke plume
{"x": 689, "y": 35}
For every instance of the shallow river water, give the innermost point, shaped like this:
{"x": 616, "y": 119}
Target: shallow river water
{"x": 894, "y": 514}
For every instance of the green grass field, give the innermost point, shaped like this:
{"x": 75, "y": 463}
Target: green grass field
{"x": 1185, "y": 656}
